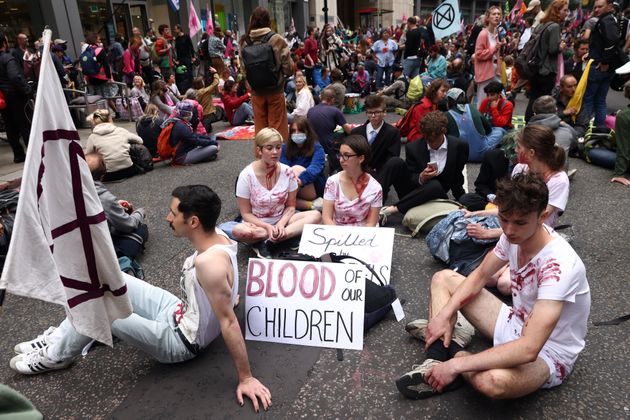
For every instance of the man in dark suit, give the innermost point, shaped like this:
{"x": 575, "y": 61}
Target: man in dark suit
{"x": 384, "y": 140}
{"x": 417, "y": 182}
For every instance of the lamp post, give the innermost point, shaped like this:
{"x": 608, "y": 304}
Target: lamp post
{"x": 325, "y": 10}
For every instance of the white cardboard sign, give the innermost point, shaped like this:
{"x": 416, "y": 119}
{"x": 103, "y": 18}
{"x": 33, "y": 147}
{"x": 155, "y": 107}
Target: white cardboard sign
{"x": 305, "y": 303}
{"x": 373, "y": 245}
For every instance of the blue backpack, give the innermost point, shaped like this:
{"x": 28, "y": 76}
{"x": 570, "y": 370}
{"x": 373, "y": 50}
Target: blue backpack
{"x": 89, "y": 63}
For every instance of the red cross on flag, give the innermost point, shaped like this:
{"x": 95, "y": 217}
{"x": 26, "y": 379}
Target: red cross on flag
{"x": 61, "y": 250}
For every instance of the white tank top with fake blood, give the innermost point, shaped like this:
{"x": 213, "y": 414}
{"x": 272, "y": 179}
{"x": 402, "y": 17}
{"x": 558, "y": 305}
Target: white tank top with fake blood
{"x": 194, "y": 315}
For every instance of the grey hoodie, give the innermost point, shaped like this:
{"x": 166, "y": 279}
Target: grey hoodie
{"x": 566, "y": 137}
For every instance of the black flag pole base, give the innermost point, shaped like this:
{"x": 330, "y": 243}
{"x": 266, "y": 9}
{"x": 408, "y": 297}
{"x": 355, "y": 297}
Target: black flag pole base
{"x": 2, "y": 293}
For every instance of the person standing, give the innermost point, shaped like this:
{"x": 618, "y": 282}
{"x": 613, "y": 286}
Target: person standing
{"x": 487, "y": 52}
{"x": 216, "y": 49}
{"x": 549, "y": 47}
{"x": 411, "y": 60}
{"x": 267, "y": 95}
{"x": 603, "y": 50}
{"x": 164, "y": 50}
{"x": 310, "y": 55}
{"x": 384, "y": 49}
{"x": 16, "y": 92}
{"x": 185, "y": 52}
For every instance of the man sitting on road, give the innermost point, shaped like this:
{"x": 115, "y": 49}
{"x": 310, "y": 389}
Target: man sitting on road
{"x": 568, "y": 84}
{"x": 537, "y": 341}
{"x": 170, "y": 329}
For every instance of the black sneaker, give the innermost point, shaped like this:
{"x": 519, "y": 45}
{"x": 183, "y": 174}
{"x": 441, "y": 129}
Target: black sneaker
{"x": 19, "y": 159}
{"x": 262, "y": 249}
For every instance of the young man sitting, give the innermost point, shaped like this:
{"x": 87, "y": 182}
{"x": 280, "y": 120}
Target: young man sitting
{"x": 170, "y": 329}
{"x": 537, "y": 341}
{"x": 495, "y": 107}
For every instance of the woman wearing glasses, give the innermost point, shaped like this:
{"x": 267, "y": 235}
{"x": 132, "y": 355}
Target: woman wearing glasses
{"x": 352, "y": 197}
{"x": 266, "y": 193}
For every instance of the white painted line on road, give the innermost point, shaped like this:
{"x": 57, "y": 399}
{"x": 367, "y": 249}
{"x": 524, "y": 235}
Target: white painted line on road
{"x": 465, "y": 172}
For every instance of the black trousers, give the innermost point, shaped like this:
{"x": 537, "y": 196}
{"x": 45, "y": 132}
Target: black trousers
{"x": 543, "y": 85}
{"x": 16, "y": 123}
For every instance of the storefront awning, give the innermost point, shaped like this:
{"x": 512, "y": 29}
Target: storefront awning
{"x": 373, "y": 10}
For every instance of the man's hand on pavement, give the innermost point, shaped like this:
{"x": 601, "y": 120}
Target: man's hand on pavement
{"x": 253, "y": 389}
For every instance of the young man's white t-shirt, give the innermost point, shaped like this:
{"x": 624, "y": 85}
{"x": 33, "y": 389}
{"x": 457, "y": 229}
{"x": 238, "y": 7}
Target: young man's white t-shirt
{"x": 555, "y": 273}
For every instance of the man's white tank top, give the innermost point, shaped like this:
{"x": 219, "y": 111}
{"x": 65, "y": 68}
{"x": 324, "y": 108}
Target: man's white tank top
{"x": 194, "y": 315}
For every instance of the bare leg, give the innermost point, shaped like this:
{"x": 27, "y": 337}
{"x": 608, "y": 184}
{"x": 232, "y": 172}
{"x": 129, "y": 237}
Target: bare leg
{"x": 482, "y": 311}
{"x": 508, "y": 383}
{"x": 249, "y": 233}
{"x": 501, "y": 280}
{"x": 621, "y": 180}
{"x": 297, "y": 222}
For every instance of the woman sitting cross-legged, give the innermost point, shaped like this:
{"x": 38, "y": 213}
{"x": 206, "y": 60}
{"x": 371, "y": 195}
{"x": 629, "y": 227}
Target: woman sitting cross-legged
{"x": 266, "y": 193}
{"x": 306, "y": 157}
{"x": 190, "y": 147}
{"x": 352, "y": 196}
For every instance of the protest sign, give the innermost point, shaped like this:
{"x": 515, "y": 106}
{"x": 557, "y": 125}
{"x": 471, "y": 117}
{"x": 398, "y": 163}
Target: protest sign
{"x": 372, "y": 245}
{"x": 446, "y": 19}
{"x": 305, "y": 303}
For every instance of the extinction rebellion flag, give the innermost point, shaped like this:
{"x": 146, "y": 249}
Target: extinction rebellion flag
{"x": 61, "y": 249}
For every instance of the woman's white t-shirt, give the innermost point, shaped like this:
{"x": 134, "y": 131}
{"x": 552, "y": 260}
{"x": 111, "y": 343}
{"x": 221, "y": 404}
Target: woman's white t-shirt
{"x": 558, "y": 185}
{"x": 355, "y": 212}
{"x": 267, "y": 205}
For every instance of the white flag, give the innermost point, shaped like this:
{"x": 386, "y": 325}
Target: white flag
{"x": 61, "y": 250}
{"x": 445, "y": 19}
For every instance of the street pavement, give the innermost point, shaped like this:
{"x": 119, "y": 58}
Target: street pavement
{"x": 123, "y": 383}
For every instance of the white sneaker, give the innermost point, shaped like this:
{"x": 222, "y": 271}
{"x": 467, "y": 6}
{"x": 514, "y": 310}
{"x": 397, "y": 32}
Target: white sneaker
{"x": 412, "y": 384}
{"x": 36, "y": 362}
{"x": 318, "y": 204}
{"x": 462, "y": 333}
{"x": 38, "y": 343}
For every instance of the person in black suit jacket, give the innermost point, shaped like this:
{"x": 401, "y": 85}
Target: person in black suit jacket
{"x": 423, "y": 182}
{"x": 384, "y": 140}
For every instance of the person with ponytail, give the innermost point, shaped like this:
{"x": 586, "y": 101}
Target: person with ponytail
{"x": 537, "y": 154}
{"x": 266, "y": 193}
{"x": 352, "y": 196}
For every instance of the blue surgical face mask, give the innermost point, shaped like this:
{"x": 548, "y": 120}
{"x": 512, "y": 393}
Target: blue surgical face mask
{"x": 298, "y": 138}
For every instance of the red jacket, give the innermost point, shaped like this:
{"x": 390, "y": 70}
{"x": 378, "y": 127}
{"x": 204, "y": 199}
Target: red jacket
{"x": 409, "y": 125}
{"x": 501, "y": 115}
{"x": 231, "y": 103}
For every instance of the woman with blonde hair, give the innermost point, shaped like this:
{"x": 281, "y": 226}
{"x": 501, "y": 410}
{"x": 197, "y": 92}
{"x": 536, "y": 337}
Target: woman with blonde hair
{"x": 487, "y": 52}
{"x": 266, "y": 193}
{"x": 304, "y": 99}
{"x": 113, "y": 143}
{"x": 550, "y": 47}
{"x": 149, "y": 127}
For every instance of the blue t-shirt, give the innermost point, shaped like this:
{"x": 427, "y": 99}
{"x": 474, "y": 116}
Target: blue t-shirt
{"x": 324, "y": 118}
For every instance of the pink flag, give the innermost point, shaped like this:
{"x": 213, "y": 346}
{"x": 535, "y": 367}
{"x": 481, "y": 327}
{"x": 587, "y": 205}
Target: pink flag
{"x": 193, "y": 20}
{"x": 404, "y": 19}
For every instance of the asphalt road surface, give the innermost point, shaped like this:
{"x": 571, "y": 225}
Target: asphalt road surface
{"x": 123, "y": 383}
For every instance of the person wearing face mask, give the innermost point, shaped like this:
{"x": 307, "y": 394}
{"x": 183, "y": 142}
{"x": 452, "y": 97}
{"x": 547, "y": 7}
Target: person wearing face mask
{"x": 537, "y": 153}
{"x": 190, "y": 147}
{"x": 306, "y": 157}
{"x": 266, "y": 193}
{"x": 352, "y": 196}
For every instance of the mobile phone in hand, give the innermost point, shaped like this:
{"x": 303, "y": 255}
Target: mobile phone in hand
{"x": 433, "y": 165}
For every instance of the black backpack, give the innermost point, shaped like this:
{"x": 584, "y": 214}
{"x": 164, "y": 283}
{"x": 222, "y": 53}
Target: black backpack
{"x": 259, "y": 58}
{"x": 527, "y": 62}
{"x": 379, "y": 296}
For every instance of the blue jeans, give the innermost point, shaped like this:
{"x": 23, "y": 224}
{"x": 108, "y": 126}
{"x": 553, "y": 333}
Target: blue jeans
{"x": 411, "y": 67}
{"x": 595, "y": 95}
{"x": 379, "y": 76}
{"x": 150, "y": 328}
{"x": 243, "y": 113}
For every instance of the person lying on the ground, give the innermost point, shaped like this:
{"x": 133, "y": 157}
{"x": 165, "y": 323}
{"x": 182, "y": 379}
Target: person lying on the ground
{"x": 190, "y": 147}
{"x": 622, "y": 130}
{"x": 113, "y": 143}
{"x": 536, "y": 342}
{"x": 168, "y": 328}
{"x": 537, "y": 153}
{"x": 496, "y": 107}
{"x": 306, "y": 157}
{"x": 266, "y": 193}
{"x": 352, "y": 196}
{"x": 126, "y": 224}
